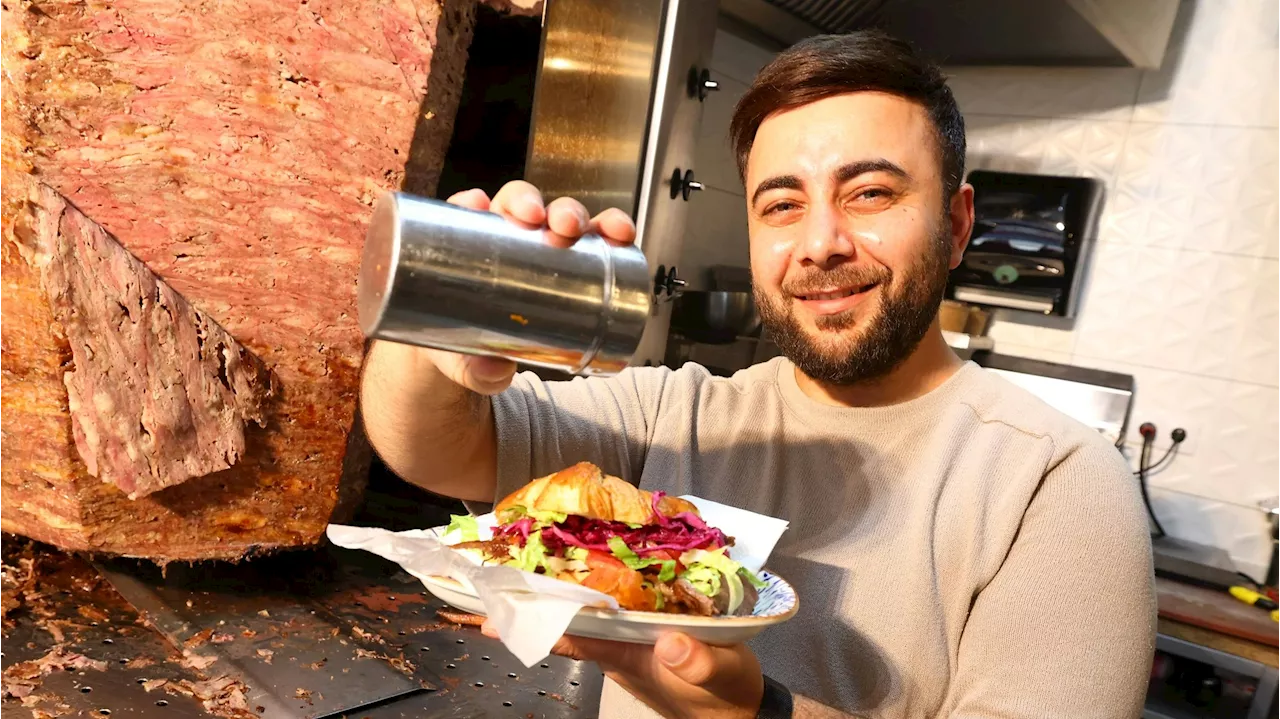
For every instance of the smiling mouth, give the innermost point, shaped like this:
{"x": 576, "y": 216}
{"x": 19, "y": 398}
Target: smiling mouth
{"x": 835, "y": 294}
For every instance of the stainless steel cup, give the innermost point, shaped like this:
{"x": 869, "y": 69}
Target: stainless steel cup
{"x": 441, "y": 276}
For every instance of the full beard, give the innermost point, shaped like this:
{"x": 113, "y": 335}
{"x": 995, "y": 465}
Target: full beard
{"x": 908, "y": 305}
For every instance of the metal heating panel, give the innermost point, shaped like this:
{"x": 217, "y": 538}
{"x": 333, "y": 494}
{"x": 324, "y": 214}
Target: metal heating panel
{"x": 1100, "y": 400}
{"x": 324, "y": 633}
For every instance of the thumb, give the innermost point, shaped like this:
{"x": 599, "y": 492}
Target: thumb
{"x": 697, "y": 663}
{"x": 484, "y": 375}
{"x": 489, "y": 373}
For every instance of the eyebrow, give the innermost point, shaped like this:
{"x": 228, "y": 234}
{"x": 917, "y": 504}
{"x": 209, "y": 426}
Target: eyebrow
{"x": 777, "y": 182}
{"x": 843, "y": 174}
{"x": 862, "y": 167}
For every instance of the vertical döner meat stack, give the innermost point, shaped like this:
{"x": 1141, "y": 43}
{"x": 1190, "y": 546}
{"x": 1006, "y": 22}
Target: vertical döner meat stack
{"x": 185, "y": 191}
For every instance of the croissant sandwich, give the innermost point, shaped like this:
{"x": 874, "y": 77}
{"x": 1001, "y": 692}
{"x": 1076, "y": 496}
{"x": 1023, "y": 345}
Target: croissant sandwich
{"x": 649, "y": 551}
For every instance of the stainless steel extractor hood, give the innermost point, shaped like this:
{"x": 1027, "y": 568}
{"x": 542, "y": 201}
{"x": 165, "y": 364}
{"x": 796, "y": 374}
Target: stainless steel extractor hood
{"x": 983, "y": 32}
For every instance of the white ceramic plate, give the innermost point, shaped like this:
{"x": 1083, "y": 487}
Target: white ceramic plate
{"x": 777, "y": 603}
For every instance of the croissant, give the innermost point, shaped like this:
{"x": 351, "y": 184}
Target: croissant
{"x": 585, "y": 490}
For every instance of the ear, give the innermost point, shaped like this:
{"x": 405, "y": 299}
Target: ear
{"x": 960, "y": 213}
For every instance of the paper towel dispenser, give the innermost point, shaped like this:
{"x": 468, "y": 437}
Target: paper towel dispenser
{"x": 1031, "y": 240}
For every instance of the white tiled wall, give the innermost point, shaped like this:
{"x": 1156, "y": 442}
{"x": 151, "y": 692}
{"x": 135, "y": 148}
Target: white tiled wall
{"x": 1182, "y": 292}
{"x": 1183, "y": 286}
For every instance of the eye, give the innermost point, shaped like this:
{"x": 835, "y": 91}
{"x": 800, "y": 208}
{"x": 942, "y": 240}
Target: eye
{"x": 780, "y": 206}
{"x": 871, "y": 199}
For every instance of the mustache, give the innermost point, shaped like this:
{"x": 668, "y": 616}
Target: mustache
{"x": 843, "y": 276}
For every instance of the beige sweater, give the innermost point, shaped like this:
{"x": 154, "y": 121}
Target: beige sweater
{"x": 970, "y": 553}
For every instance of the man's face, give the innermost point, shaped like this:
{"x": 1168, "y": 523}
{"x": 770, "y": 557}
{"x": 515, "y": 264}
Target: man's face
{"x": 851, "y": 236}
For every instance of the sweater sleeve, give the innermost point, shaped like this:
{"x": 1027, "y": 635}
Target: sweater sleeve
{"x": 1066, "y": 628}
{"x": 543, "y": 427}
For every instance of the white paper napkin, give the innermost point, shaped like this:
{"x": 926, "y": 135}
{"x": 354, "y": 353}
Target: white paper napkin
{"x": 531, "y": 611}
{"x": 754, "y": 535}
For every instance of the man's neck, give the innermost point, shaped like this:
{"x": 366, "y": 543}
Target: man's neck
{"x": 932, "y": 363}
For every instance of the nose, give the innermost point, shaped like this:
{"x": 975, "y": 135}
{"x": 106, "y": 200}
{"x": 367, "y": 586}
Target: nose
{"x": 828, "y": 241}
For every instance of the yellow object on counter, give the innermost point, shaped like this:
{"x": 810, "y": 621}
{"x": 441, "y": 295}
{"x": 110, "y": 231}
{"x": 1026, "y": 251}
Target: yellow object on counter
{"x": 1248, "y": 596}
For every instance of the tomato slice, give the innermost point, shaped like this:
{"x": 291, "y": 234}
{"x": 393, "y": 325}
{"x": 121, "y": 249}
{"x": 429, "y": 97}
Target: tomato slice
{"x": 614, "y": 578}
{"x": 602, "y": 559}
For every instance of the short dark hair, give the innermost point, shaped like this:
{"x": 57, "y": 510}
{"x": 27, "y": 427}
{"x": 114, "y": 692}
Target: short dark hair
{"x": 865, "y": 61}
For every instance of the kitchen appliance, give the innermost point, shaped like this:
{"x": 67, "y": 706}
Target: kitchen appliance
{"x": 616, "y": 110}
{"x": 718, "y": 327}
{"x": 1130, "y": 33}
{"x": 1174, "y": 558}
{"x": 722, "y": 314}
{"x": 1100, "y": 400}
{"x": 1031, "y": 241}
{"x": 1193, "y": 563}
{"x": 715, "y": 316}
{"x": 442, "y": 276}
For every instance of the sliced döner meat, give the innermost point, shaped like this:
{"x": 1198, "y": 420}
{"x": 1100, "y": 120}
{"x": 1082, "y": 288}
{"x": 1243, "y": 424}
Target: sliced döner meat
{"x": 497, "y": 548}
{"x": 696, "y": 602}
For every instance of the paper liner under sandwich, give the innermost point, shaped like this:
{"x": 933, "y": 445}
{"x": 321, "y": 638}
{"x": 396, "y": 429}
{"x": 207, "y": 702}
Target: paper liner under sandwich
{"x": 532, "y": 611}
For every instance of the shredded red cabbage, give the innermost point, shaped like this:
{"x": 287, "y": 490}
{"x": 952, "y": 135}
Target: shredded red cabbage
{"x": 521, "y": 526}
{"x": 654, "y": 500}
{"x": 680, "y": 533}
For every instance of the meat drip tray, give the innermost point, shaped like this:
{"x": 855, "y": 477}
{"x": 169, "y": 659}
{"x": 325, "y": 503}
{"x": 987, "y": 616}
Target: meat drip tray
{"x": 323, "y": 633}
{"x": 330, "y": 632}
{"x": 315, "y": 633}
{"x": 279, "y": 635}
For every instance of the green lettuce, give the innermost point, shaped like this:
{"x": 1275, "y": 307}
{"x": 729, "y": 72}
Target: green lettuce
{"x": 702, "y": 578}
{"x": 547, "y": 516}
{"x": 635, "y": 561}
{"x": 531, "y": 556}
{"x": 541, "y": 518}
{"x": 750, "y": 576}
{"x": 466, "y": 527}
{"x": 723, "y": 563}
{"x": 668, "y": 571}
{"x": 733, "y": 573}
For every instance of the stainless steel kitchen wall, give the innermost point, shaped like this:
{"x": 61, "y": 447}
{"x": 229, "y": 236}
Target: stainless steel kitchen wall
{"x": 616, "y": 111}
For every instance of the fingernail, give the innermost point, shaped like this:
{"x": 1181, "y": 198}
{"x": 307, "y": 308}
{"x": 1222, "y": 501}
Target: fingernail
{"x": 489, "y": 369}
{"x": 673, "y": 651}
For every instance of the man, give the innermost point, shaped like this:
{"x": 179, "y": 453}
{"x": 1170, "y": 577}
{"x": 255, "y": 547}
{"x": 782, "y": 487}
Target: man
{"x": 959, "y": 548}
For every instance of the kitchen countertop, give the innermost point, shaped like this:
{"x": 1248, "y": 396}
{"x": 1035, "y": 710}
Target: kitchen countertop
{"x": 1216, "y": 619}
{"x": 1244, "y": 648}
